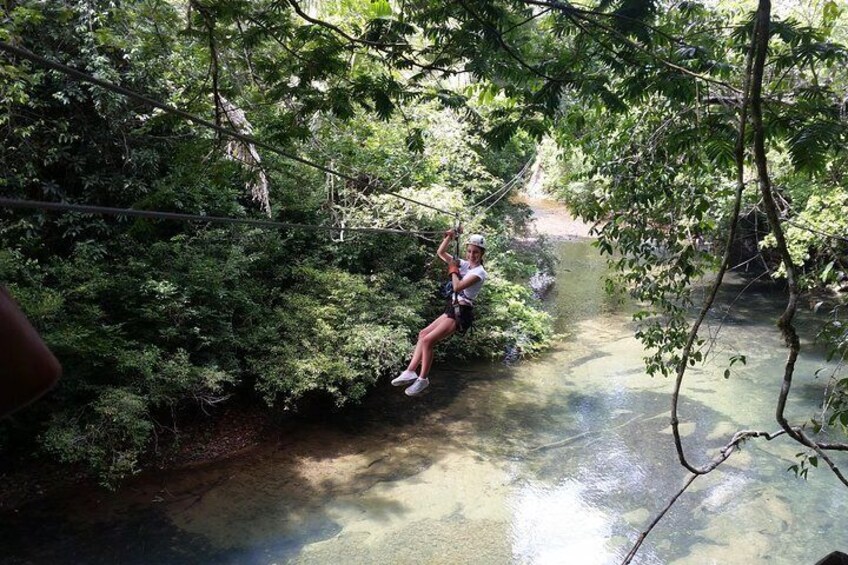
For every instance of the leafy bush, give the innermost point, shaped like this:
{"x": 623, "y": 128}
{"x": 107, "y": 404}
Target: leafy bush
{"x": 507, "y": 325}
{"x": 334, "y": 332}
{"x": 814, "y": 239}
{"x": 109, "y": 436}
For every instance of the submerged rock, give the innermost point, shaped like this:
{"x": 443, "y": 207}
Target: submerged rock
{"x": 541, "y": 282}
{"x": 512, "y": 353}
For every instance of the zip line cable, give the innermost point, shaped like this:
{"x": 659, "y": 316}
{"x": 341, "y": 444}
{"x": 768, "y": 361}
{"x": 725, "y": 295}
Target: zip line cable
{"x": 85, "y": 77}
{"x": 499, "y": 194}
{"x": 504, "y": 192}
{"x": 157, "y": 215}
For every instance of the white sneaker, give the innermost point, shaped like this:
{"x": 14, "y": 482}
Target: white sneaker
{"x": 404, "y": 377}
{"x": 417, "y": 387}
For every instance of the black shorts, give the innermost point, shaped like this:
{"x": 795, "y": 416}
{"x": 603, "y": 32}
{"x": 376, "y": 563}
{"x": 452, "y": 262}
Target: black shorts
{"x": 466, "y": 316}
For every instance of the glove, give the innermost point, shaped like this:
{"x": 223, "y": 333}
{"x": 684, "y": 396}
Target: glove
{"x": 450, "y": 234}
{"x": 453, "y": 268}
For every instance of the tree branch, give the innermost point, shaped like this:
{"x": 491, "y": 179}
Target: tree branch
{"x": 339, "y": 31}
{"x": 785, "y": 322}
{"x": 209, "y": 24}
{"x": 247, "y": 58}
{"x": 385, "y": 47}
{"x": 633, "y": 550}
{"x": 528, "y": 20}
{"x": 726, "y": 452}
{"x": 562, "y": 6}
{"x": 584, "y": 15}
{"x": 752, "y": 95}
{"x": 711, "y": 296}
{"x": 505, "y": 46}
{"x": 805, "y": 227}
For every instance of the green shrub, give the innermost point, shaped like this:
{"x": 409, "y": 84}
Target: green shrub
{"x": 108, "y": 436}
{"x": 335, "y": 332}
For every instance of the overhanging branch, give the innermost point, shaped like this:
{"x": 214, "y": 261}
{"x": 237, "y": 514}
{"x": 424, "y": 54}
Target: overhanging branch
{"x": 335, "y": 29}
{"x": 589, "y": 17}
{"x": 711, "y": 295}
{"x": 505, "y": 46}
{"x": 753, "y": 85}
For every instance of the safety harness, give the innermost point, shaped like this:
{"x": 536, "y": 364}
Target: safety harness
{"x": 457, "y": 311}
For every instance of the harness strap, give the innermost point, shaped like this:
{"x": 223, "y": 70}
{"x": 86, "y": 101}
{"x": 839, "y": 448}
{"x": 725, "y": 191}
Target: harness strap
{"x": 456, "y": 308}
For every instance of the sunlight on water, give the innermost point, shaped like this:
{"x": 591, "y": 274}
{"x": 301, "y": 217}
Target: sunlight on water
{"x": 554, "y": 525}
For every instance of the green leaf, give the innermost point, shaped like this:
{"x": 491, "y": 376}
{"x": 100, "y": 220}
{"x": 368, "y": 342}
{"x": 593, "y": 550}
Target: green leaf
{"x": 383, "y": 105}
{"x": 415, "y": 140}
{"x": 380, "y": 9}
{"x": 825, "y": 275}
{"x": 830, "y": 13}
{"x": 811, "y": 142}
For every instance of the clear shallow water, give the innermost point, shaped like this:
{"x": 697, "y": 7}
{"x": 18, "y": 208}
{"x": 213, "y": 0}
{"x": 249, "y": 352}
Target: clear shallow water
{"x": 563, "y": 459}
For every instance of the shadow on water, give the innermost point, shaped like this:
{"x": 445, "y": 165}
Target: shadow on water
{"x": 263, "y": 505}
{"x": 49, "y": 534}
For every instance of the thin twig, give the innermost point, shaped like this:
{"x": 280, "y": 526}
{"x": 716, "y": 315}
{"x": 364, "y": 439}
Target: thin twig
{"x": 805, "y": 227}
{"x": 726, "y": 452}
{"x": 632, "y": 553}
{"x": 505, "y": 46}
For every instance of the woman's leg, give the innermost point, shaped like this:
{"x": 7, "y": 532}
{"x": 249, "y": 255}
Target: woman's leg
{"x": 445, "y": 327}
{"x": 416, "y": 355}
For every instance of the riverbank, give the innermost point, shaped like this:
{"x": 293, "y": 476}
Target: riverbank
{"x": 555, "y": 221}
{"x": 222, "y": 434}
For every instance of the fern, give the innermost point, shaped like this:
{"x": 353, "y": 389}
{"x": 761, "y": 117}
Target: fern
{"x": 811, "y": 144}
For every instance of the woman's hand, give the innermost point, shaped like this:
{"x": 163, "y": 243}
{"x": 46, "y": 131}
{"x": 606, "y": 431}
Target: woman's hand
{"x": 453, "y": 267}
{"x": 442, "y": 252}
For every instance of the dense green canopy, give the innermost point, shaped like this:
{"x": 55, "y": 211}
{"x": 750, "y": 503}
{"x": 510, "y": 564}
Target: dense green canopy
{"x": 442, "y": 102}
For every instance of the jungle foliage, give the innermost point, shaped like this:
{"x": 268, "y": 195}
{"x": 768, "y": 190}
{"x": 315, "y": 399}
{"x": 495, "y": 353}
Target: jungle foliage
{"x": 441, "y": 100}
{"x": 659, "y": 178}
{"x": 160, "y": 321}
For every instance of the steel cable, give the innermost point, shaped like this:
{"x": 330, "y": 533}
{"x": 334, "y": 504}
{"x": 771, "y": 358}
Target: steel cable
{"x": 158, "y": 215}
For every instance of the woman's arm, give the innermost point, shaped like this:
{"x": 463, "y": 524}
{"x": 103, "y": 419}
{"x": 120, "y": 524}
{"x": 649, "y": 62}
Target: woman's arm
{"x": 442, "y": 251}
{"x": 27, "y": 367}
{"x": 461, "y": 284}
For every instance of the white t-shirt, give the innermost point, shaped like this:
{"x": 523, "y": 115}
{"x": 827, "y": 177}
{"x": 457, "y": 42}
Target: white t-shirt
{"x": 468, "y": 295}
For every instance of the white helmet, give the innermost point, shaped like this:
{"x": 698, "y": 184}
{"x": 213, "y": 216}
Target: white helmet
{"x": 477, "y": 240}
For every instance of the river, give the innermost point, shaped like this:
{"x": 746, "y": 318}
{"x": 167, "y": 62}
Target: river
{"x": 562, "y": 459}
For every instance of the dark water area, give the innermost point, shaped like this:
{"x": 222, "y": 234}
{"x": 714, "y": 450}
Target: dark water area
{"x": 561, "y": 459}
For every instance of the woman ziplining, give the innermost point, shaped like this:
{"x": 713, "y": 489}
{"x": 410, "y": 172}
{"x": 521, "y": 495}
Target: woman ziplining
{"x": 466, "y": 279}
